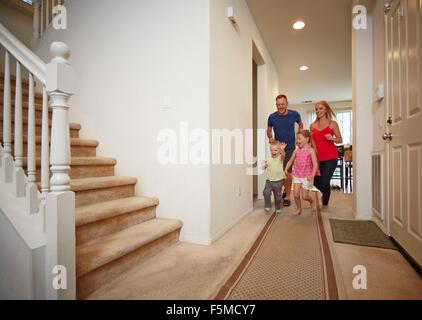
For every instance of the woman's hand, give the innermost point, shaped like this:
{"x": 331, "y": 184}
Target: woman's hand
{"x": 286, "y": 172}
{"x": 272, "y": 141}
{"x": 329, "y": 137}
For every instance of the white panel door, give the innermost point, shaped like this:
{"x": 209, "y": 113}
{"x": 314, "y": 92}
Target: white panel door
{"x": 404, "y": 56}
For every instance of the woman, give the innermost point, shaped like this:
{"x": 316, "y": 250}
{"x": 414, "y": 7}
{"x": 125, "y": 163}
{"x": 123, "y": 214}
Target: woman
{"x": 326, "y": 133}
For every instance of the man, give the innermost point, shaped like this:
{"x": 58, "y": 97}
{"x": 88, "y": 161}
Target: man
{"x": 283, "y": 123}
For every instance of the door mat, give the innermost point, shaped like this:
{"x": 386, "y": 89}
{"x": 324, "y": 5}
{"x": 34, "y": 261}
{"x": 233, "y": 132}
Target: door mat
{"x": 362, "y": 233}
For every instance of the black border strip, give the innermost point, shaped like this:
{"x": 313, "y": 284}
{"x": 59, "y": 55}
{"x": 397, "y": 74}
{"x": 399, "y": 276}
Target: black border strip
{"x": 416, "y": 266}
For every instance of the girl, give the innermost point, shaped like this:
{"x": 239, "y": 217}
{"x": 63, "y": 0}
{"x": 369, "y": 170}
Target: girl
{"x": 275, "y": 176}
{"x": 326, "y": 133}
{"x": 305, "y": 168}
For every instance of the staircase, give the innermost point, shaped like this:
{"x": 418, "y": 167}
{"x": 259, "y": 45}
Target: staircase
{"x": 115, "y": 229}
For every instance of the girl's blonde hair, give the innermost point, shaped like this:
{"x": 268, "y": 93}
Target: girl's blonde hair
{"x": 331, "y": 115}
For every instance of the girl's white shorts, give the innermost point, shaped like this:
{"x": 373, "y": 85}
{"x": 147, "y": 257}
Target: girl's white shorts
{"x": 305, "y": 184}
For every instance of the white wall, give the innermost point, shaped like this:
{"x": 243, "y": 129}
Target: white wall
{"x": 305, "y": 109}
{"x": 131, "y": 60}
{"x": 18, "y": 22}
{"x": 21, "y": 268}
{"x": 362, "y": 70}
{"x": 231, "y": 105}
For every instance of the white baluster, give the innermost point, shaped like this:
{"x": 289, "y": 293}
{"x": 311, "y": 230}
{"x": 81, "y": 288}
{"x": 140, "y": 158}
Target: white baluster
{"x": 60, "y": 203}
{"x": 19, "y": 179}
{"x": 31, "y": 188}
{"x": 45, "y": 148}
{"x": 47, "y": 14}
{"x": 42, "y": 17}
{"x": 37, "y": 18}
{"x": 7, "y": 166}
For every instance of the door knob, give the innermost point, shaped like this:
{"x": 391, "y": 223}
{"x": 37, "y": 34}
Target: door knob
{"x": 387, "y": 136}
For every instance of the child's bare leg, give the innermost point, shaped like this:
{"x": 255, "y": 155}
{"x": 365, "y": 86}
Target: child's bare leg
{"x": 307, "y": 196}
{"x": 297, "y": 188}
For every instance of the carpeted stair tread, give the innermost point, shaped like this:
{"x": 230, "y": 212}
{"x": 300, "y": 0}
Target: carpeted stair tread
{"x": 24, "y": 81}
{"x": 94, "y": 254}
{"x": 109, "y": 209}
{"x": 73, "y": 141}
{"x": 84, "y": 161}
{"x": 100, "y": 183}
{"x": 38, "y": 121}
{"x": 25, "y": 91}
{"x": 38, "y": 105}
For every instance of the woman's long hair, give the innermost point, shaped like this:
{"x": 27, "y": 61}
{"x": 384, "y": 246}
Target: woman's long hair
{"x": 331, "y": 115}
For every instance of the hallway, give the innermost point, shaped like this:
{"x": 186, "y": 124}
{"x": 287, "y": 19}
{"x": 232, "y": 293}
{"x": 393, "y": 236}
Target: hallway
{"x": 187, "y": 271}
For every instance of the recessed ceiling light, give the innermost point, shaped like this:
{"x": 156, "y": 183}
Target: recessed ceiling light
{"x": 304, "y": 68}
{"x": 299, "y": 25}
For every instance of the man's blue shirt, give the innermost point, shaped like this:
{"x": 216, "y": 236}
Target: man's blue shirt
{"x": 284, "y": 127}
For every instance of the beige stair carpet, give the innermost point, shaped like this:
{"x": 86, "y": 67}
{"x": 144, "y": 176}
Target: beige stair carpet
{"x": 115, "y": 229}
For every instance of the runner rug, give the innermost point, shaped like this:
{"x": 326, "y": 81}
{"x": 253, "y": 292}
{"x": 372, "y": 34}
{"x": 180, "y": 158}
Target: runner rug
{"x": 290, "y": 260}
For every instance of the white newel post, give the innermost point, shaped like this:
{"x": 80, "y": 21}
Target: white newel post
{"x": 60, "y": 202}
{"x": 7, "y": 165}
{"x": 37, "y": 18}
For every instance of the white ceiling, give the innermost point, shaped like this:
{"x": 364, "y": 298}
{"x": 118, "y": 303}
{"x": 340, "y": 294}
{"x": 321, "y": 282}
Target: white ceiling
{"x": 324, "y": 45}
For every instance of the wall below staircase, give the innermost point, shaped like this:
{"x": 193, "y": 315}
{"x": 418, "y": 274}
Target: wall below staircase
{"x": 21, "y": 268}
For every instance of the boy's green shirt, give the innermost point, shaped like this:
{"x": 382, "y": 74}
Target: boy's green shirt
{"x": 275, "y": 169}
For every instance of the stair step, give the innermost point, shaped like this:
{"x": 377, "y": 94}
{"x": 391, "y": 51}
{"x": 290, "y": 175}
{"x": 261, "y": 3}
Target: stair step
{"x": 104, "y": 218}
{"x": 84, "y": 167}
{"x": 73, "y": 127}
{"x": 38, "y": 121}
{"x": 25, "y": 92}
{"x": 78, "y": 147}
{"x": 104, "y": 258}
{"x": 13, "y": 79}
{"x": 94, "y": 190}
{"x": 38, "y": 108}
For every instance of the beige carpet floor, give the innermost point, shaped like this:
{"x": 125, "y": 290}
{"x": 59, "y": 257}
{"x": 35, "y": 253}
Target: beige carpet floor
{"x": 187, "y": 271}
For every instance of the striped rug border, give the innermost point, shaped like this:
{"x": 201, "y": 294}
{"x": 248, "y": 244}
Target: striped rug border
{"x": 227, "y": 288}
{"x": 329, "y": 272}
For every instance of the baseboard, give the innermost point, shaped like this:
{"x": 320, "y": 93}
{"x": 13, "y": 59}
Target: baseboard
{"x": 416, "y": 266}
{"x": 219, "y": 234}
{"x": 203, "y": 241}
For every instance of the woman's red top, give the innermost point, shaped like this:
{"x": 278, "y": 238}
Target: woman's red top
{"x": 326, "y": 150}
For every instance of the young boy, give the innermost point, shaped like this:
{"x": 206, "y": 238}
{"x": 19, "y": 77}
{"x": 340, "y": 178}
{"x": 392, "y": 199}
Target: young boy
{"x": 275, "y": 176}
